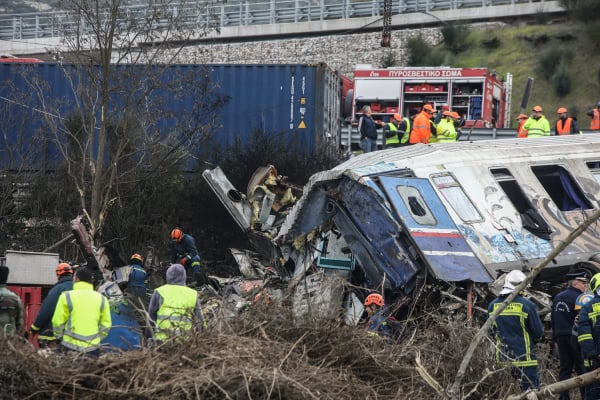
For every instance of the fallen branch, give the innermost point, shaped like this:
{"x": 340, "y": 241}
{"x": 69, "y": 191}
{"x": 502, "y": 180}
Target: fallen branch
{"x": 463, "y": 301}
{"x": 454, "y": 391}
{"x": 59, "y": 243}
{"x": 550, "y": 391}
{"x": 428, "y": 378}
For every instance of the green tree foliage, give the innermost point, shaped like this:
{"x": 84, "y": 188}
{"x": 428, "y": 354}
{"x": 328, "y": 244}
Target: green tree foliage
{"x": 455, "y": 37}
{"x": 422, "y": 54}
{"x": 583, "y": 10}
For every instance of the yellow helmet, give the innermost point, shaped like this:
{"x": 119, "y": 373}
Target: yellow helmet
{"x": 595, "y": 283}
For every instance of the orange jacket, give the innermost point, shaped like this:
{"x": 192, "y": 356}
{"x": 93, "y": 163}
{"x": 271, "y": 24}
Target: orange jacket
{"x": 522, "y": 133}
{"x": 595, "y": 122}
{"x": 421, "y": 130}
{"x": 564, "y": 127}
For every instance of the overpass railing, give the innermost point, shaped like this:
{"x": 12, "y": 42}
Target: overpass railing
{"x": 220, "y": 14}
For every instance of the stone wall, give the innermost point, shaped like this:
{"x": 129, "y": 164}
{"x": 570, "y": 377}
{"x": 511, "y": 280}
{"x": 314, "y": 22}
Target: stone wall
{"x": 341, "y": 52}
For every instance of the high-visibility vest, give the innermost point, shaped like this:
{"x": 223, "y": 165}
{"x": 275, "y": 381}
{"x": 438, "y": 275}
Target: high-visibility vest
{"x": 175, "y": 315}
{"x": 392, "y": 139}
{"x": 405, "y": 138}
{"x": 595, "y": 122}
{"x": 446, "y": 132}
{"x": 81, "y": 318}
{"x": 563, "y": 127}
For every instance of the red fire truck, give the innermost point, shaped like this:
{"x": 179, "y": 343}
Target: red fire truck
{"x": 475, "y": 93}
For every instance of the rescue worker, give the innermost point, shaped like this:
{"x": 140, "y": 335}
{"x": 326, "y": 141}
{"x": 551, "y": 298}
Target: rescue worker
{"x": 375, "y": 308}
{"x": 184, "y": 251}
{"x": 402, "y": 128}
{"x": 174, "y": 308}
{"x": 516, "y": 329}
{"x": 82, "y": 316}
{"x": 459, "y": 122}
{"x": 405, "y": 138}
{"x": 136, "y": 282}
{"x": 446, "y": 131}
{"x": 594, "y": 114}
{"x": 367, "y": 127}
{"x": 421, "y": 131}
{"x": 537, "y": 125}
{"x": 11, "y": 307}
{"x": 565, "y": 125}
{"x": 433, "y": 127}
{"x": 43, "y": 321}
{"x": 521, "y": 133}
{"x": 588, "y": 335}
{"x": 563, "y": 318}
{"x": 391, "y": 131}
{"x": 582, "y": 300}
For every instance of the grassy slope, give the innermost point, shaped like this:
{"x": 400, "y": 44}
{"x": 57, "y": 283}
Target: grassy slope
{"x": 520, "y": 57}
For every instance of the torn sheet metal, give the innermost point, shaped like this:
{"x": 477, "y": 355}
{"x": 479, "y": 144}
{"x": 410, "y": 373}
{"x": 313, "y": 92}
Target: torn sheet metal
{"x": 319, "y": 295}
{"x": 234, "y": 201}
{"x": 248, "y": 263}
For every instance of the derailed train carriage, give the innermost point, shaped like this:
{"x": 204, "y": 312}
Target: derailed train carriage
{"x": 459, "y": 212}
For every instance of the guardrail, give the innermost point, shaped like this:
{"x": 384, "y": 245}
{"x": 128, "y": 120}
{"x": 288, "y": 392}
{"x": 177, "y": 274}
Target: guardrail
{"x": 213, "y": 14}
{"x": 349, "y": 134}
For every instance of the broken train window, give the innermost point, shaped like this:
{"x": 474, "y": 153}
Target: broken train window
{"x": 456, "y": 197}
{"x": 561, "y": 187}
{"x": 530, "y": 218}
{"x": 417, "y": 206}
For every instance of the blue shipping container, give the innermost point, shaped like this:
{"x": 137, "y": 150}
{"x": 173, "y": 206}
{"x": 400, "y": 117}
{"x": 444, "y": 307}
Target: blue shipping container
{"x": 295, "y": 102}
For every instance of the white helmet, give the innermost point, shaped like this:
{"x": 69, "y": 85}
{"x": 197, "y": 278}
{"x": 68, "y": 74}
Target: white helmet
{"x": 511, "y": 281}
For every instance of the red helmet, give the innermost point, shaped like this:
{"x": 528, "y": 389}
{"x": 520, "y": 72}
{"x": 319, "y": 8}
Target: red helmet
{"x": 176, "y": 234}
{"x": 64, "y": 268}
{"x": 136, "y": 256}
{"x": 374, "y": 298}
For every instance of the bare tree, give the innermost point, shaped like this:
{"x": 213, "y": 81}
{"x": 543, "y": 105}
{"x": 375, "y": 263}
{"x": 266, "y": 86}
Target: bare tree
{"x": 129, "y": 115}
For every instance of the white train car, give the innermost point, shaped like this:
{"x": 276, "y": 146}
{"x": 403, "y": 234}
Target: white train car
{"x": 462, "y": 211}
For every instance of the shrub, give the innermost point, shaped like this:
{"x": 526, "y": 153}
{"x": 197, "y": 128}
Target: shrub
{"x": 584, "y": 10}
{"x": 562, "y": 80}
{"x": 491, "y": 43}
{"x": 455, "y": 37}
{"x": 418, "y": 49}
{"x": 551, "y": 58}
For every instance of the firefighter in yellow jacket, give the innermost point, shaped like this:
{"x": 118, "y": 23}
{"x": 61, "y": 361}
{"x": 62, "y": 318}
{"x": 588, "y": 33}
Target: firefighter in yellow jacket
{"x": 82, "y": 316}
